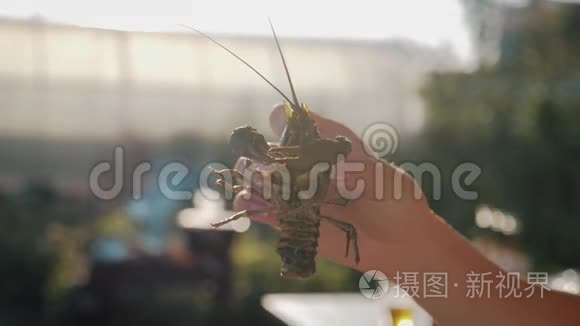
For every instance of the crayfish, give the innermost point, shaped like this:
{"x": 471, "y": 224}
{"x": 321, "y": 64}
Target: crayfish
{"x": 299, "y": 152}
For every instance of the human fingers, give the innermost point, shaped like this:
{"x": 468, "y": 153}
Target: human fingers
{"x": 245, "y": 200}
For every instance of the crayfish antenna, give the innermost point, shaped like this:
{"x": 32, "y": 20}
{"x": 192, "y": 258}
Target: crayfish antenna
{"x": 296, "y": 104}
{"x": 240, "y": 59}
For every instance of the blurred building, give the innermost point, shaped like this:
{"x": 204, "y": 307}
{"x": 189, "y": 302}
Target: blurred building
{"x": 62, "y": 81}
{"x": 69, "y": 93}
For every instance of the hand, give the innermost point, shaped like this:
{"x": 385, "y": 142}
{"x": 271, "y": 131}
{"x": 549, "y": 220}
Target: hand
{"x": 385, "y": 226}
{"x": 400, "y": 233}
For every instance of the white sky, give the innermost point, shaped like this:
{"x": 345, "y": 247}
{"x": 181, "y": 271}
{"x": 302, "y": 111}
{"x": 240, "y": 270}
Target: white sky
{"x": 428, "y": 22}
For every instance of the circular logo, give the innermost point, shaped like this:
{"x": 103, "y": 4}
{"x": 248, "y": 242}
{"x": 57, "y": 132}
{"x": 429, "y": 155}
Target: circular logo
{"x": 380, "y": 139}
{"x": 373, "y": 284}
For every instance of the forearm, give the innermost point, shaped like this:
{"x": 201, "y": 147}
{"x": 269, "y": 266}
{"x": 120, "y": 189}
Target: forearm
{"x": 437, "y": 248}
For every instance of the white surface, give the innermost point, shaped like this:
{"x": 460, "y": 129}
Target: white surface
{"x": 340, "y": 309}
{"x": 208, "y": 211}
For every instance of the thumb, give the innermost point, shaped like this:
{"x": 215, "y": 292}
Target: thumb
{"x": 278, "y": 119}
{"x": 327, "y": 128}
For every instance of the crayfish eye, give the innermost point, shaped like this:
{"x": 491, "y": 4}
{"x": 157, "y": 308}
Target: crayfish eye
{"x": 288, "y": 110}
{"x": 307, "y": 110}
{"x": 242, "y": 137}
{"x": 246, "y": 139}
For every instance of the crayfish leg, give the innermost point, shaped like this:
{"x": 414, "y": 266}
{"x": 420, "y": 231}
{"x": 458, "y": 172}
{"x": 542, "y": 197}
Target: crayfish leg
{"x": 230, "y": 219}
{"x": 240, "y": 214}
{"x": 227, "y": 182}
{"x": 350, "y": 233}
{"x": 286, "y": 149}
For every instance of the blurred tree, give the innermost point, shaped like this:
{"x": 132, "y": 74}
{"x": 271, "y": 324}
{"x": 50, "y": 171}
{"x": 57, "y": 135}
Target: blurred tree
{"x": 25, "y": 267}
{"x": 517, "y": 119}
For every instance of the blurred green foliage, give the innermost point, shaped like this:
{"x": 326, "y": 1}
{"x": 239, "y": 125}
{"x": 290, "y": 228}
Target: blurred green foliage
{"x": 518, "y": 120}
{"x": 26, "y": 261}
